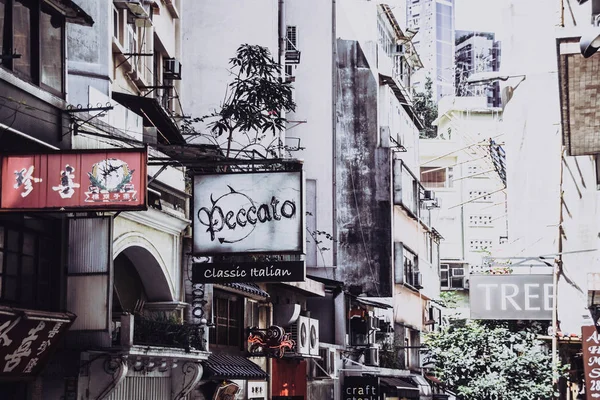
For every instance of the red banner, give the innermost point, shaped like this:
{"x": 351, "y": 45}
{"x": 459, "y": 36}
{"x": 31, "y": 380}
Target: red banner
{"x": 71, "y": 180}
{"x": 591, "y": 361}
{"x": 27, "y": 339}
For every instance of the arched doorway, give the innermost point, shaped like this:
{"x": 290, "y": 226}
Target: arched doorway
{"x": 138, "y": 279}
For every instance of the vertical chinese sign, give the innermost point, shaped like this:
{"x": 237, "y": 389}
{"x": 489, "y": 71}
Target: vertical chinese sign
{"x": 71, "y": 180}
{"x": 28, "y": 338}
{"x": 591, "y": 361}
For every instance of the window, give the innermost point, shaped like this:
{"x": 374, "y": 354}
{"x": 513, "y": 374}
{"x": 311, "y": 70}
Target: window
{"x": 292, "y": 38}
{"x": 480, "y": 196}
{"x": 227, "y": 313}
{"x": 437, "y": 177}
{"x": 34, "y": 33}
{"x": 480, "y": 220}
{"x": 479, "y": 244}
{"x": 452, "y": 276}
{"x": 406, "y": 266}
{"x": 29, "y": 263}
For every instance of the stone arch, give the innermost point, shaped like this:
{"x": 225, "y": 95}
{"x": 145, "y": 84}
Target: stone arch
{"x": 148, "y": 263}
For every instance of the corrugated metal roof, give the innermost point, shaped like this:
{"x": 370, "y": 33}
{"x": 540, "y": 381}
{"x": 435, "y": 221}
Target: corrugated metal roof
{"x": 225, "y": 366}
{"x": 251, "y": 288}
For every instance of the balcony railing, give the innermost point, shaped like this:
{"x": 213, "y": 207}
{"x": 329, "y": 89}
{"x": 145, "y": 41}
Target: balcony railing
{"x": 133, "y": 331}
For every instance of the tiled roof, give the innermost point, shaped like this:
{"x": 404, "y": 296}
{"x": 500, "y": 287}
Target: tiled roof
{"x": 224, "y": 366}
{"x": 252, "y": 288}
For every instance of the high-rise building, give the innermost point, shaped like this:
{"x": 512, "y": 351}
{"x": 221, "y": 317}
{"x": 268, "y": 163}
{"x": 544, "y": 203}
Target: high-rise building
{"x": 434, "y": 42}
{"x": 477, "y": 52}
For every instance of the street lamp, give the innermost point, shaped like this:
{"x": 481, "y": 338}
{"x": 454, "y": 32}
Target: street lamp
{"x": 590, "y": 41}
{"x": 493, "y": 76}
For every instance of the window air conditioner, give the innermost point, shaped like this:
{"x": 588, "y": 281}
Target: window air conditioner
{"x": 418, "y": 280}
{"x": 313, "y": 337}
{"x": 428, "y": 195}
{"x": 458, "y": 272}
{"x": 300, "y": 334}
{"x": 372, "y": 356}
{"x": 171, "y": 69}
{"x": 326, "y": 362}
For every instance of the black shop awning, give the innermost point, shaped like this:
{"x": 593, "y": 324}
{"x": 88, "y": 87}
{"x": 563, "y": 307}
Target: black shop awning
{"x": 225, "y": 366}
{"x": 398, "y": 387}
{"x": 154, "y": 115}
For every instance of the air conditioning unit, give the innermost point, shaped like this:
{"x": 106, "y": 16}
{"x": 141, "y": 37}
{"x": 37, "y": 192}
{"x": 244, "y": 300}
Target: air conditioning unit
{"x": 372, "y": 356}
{"x": 300, "y": 334}
{"x": 428, "y": 195}
{"x": 313, "y": 337}
{"x": 458, "y": 272}
{"x": 326, "y": 363}
{"x": 372, "y": 323}
{"x": 134, "y": 6}
{"x": 417, "y": 280}
{"x": 171, "y": 69}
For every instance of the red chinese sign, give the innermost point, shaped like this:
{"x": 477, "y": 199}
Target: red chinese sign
{"x": 27, "y": 339}
{"x": 591, "y": 361}
{"x": 71, "y": 180}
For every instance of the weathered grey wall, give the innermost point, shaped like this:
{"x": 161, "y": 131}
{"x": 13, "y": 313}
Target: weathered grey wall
{"x": 89, "y": 52}
{"x": 323, "y": 389}
{"x": 363, "y": 178}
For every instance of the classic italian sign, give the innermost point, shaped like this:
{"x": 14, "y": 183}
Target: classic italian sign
{"x": 27, "y": 339}
{"x": 591, "y": 361}
{"x": 72, "y": 180}
{"x": 260, "y": 212}
{"x": 279, "y": 271}
{"x": 511, "y": 296}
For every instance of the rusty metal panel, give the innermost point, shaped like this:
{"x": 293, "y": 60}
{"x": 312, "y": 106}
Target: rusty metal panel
{"x": 143, "y": 387}
{"x": 89, "y": 245}
{"x": 88, "y": 275}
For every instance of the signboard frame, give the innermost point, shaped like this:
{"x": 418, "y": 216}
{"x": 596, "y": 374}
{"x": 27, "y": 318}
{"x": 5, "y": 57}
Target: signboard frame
{"x": 273, "y": 208}
{"x": 482, "y": 307}
{"x": 78, "y": 195}
{"x": 226, "y": 272}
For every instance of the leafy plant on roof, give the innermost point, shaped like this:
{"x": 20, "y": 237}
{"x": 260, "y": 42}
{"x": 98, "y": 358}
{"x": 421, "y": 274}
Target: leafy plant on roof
{"x": 426, "y": 108}
{"x": 253, "y": 109}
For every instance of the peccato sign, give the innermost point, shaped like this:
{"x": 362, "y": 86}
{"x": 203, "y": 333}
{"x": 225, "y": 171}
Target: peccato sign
{"x": 260, "y": 212}
{"x": 74, "y": 179}
{"x": 591, "y": 361}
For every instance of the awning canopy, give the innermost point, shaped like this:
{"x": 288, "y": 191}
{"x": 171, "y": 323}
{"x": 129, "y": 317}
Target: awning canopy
{"x": 371, "y": 302}
{"x": 39, "y": 331}
{"x": 224, "y": 366}
{"x": 154, "y": 115}
{"x": 400, "y": 387}
{"x": 71, "y": 11}
{"x": 248, "y": 288}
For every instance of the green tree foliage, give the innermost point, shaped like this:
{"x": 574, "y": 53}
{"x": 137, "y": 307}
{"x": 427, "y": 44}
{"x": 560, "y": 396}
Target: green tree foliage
{"x": 254, "y": 101}
{"x": 426, "y": 109}
{"x": 491, "y": 362}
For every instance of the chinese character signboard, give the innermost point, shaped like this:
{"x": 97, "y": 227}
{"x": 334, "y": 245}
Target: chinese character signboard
{"x": 27, "y": 338}
{"x": 259, "y": 212}
{"x": 74, "y": 180}
{"x": 591, "y": 361}
{"x": 511, "y": 296}
{"x": 360, "y": 387}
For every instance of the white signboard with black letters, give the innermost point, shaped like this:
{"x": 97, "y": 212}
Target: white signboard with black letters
{"x": 258, "y": 212}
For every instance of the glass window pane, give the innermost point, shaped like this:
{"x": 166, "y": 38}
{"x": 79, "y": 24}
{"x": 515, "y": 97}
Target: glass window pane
{"x": 28, "y": 244}
{"x": 12, "y": 264}
{"x": 10, "y": 288}
{"x": 27, "y": 268}
{"x": 51, "y": 28}
{"x": 1, "y": 227}
{"x": 22, "y": 37}
{"x": 12, "y": 243}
